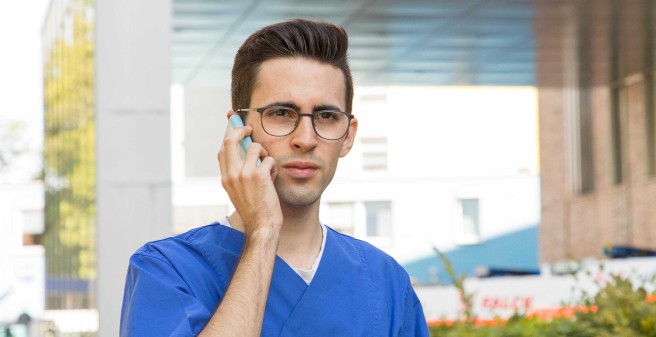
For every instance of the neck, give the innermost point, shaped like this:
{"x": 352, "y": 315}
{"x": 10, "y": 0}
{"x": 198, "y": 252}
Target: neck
{"x": 301, "y": 234}
{"x": 299, "y": 221}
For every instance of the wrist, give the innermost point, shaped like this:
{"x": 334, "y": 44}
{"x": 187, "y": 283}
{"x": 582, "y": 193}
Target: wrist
{"x": 264, "y": 236}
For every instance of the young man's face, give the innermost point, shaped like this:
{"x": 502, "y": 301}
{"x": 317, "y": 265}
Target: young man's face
{"x": 306, "y": 162}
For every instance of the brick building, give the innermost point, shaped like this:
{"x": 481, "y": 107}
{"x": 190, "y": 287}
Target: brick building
{"x": 595, "y": 74}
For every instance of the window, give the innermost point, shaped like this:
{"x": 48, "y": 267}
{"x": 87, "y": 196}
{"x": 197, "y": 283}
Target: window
{"x": 617, "y": 97}
{"x": 341, "y": 216}
{"x": 617, "y": 135}
{"x": 374, "y": 153}
{"x": 650, "y": 121}
{"x": 650, "y": 90}
{"x": 579, "y": 104}
{"x": 585, "y": 181}
{"x": 585, "y": 158}
{"x": 468, "y": 222}
{"x": 379, "y": 218}
{"x": 33, "y": 221}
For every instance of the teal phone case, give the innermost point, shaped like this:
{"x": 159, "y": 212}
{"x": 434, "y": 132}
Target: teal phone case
{"x": 236, "y": 122}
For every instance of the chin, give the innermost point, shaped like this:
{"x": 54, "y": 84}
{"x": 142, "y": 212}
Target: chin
{"x": 299, "y": 197}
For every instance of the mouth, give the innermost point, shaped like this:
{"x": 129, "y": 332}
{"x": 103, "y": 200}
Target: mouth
{"x": 301, "y": 169}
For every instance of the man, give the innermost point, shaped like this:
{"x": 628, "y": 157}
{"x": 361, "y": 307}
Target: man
{"x": 271, "y": 268}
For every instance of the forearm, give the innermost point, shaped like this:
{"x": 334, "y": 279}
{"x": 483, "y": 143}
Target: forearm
{"x": 241, "y": 311}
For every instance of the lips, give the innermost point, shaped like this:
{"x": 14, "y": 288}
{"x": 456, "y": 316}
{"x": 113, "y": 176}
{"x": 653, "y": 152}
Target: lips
{"x": 301, "y": 169}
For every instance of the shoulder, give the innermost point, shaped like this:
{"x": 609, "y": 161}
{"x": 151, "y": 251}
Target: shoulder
{"x": 374, "y": 259}
{"x": 205, "y": 253}
{"x": 184, "y": 246}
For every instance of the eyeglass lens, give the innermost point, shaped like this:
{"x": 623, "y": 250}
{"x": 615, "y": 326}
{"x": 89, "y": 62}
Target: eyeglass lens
{"x": 281, "y": 121}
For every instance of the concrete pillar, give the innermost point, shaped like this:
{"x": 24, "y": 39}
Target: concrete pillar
{"x": 133, "y": 77}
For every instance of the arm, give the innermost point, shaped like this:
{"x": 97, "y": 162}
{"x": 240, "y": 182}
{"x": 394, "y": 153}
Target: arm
{"x": 415, "y": 322}
{"x": 241, "y": 311}
{"x": 251, "y": 190}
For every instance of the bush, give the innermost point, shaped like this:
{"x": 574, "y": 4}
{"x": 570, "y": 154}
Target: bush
{"x": 619, "y": 309}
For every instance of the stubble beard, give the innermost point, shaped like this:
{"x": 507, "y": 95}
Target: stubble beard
{"x": 298, "y": 195}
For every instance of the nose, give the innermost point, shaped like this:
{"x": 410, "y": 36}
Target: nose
{"x": 304, "y": 138}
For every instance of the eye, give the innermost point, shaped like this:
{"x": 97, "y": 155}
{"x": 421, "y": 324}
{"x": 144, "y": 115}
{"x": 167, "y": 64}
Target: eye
{"x": 327, "y": 115}
{"x": 279, "y": 112}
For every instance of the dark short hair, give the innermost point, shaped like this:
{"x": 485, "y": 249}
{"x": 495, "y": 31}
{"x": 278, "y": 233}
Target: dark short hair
{"x": 320, "y": 41}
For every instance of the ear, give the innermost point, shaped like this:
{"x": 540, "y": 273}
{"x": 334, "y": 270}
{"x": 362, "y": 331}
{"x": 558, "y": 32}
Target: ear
{"x": 230, "y": 114}
{"x": 350, "y": 138}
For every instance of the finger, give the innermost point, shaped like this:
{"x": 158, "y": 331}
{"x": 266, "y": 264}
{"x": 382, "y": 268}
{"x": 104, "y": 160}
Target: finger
{"x": 220, "y": 156}
{"x": 230, "y": 162}
{"x": 255, "y": 152}
{"x": 226, "y": 180}
{"x": 231, "y": 146}
{"x": 235, "y": 134}
{"x": 268, "y": 163}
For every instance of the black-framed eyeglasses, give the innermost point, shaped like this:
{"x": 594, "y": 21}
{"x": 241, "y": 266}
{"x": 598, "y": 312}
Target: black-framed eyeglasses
{"x": 280, "y": 121}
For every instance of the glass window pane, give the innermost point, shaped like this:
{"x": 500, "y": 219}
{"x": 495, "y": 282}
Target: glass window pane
{"x": 374, "y": 153}
{"x": 379, "y": 218}
{"x": 341, "y": 217}
{"x": 468, "y": 231}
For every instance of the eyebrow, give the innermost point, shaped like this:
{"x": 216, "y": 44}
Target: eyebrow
{"x": 321, "y": 107}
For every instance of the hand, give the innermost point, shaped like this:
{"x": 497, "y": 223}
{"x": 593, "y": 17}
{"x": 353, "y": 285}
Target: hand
{"x": 250, "y": 187}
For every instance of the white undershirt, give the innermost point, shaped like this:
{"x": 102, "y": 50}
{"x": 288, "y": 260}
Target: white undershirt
{"x": 306, "y": 274}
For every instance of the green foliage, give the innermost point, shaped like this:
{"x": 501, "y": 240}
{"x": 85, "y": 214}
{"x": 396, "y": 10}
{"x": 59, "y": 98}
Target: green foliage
{"x": 69, "y": 148}
{"x": 619, "y": 309}
{"x": 622, "y": 311}
{"x": 458, "y": 281}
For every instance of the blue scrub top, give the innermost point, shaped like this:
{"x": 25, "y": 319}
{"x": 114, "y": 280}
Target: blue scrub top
{"x": 173, "y": 286}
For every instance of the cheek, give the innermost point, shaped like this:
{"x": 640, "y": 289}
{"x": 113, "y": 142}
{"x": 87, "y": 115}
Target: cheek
{"x": 258, "y": 135}
{"x": 265, "y": 140}
{"x": 333, "y": 156}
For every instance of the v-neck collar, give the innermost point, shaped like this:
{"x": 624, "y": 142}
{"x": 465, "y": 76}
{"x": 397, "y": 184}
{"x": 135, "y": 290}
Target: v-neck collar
{"x": 340, "y": 291}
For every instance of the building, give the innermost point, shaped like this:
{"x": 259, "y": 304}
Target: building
{"x": 595, "y": 74}
{"x": 22, "y": 265}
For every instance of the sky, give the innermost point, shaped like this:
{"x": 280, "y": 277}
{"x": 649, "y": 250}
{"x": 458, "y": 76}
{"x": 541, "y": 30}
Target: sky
{"x": 21, "y": 85}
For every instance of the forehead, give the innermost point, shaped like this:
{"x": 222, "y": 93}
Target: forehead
{"x": 301, "y": 81}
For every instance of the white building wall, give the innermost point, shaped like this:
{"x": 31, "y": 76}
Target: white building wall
{"x": 22, "y": 268}
{"x": 444, "y": 144}
{"x": 425, "y": 210}
{"x": 450, "y": 131}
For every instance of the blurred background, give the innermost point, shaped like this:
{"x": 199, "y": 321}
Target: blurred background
{"x": 518, "y": 137}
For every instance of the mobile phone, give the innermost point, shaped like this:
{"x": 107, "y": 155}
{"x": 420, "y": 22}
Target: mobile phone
{"x": 236, "y": 122}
